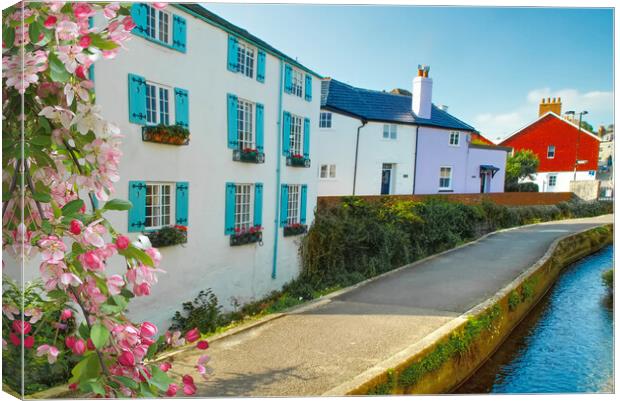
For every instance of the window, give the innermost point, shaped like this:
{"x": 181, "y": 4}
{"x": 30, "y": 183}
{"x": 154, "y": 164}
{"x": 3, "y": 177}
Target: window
{"x": 158, "y": 24}
{"x": 550, "y": 152}
{"x": 389, "y": 131}
{"x": 157, "y": 104}
{"x": 243, "y": 206}
{"x": 445, "y": 178}
{"x": 327, "y": 171}
{"x": 296, "y": 135}
{"x": 455, "y": 137}
{"x": 245, "y": 127}
{"x": 553, "y": 179}
{"x": 245, "y": 59}
{"x": 297, "y": 83}
{"x": 158, "y": 205}
{"x": 325, "y": 120}
{"x": 293, "y": 204}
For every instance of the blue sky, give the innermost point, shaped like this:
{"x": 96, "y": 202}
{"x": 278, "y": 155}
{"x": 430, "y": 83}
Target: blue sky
{"x": 491, "y": 66}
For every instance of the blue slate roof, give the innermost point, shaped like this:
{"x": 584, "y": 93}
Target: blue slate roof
{"x": 382, "y": 106}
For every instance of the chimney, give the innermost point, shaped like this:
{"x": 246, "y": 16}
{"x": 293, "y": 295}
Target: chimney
{"x": 444, "y": 107}
{"x": 554, "y": 105}
{"x": 422, "y": 93}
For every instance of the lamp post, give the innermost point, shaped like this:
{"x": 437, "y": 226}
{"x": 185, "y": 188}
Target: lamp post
{"x": 581, "y": 114}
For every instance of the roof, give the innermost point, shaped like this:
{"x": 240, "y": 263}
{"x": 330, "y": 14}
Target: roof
{"x": 374, "y": 105}
{"x": 202, "y": 13}
{"x": 552, "y": 114}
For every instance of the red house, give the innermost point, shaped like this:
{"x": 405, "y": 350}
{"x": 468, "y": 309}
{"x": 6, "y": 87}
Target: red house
{"x": 566, "y": 153}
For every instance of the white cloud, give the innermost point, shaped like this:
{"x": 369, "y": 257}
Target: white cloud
{"x": 497, "y": 126}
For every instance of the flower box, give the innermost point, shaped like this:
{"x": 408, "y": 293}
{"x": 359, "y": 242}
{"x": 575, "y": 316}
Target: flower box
{"x": 250, "y": 236}
{"x": 248, "y": 155}
{"x": 167, "y": 236}
{"x": 167, "y": 134}
{"x": 295, "y": 229}
{"x": 297, "y": 161}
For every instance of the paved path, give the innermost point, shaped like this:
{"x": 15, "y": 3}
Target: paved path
{"x": 311, "y": 352}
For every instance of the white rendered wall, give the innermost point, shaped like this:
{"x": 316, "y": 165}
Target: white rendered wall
{"x": 562, "y": 182}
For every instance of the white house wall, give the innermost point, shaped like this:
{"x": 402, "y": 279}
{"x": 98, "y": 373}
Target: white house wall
{"x": 563, "y": 179}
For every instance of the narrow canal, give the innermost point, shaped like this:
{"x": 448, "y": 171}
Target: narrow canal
{"x": 564, "y": 345}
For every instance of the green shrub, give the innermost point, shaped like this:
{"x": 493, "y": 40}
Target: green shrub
{"x": 513, "y": 300}
{"x": 203, "y": 312}
{"x": 169, "y": 235}
{"x": 608, "y": 278}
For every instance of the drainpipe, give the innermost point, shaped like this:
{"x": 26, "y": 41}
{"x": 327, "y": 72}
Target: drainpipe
{"x": 415, "y": 158}
{"x": 357, "y": 148}
{"x": 274, "y": 267}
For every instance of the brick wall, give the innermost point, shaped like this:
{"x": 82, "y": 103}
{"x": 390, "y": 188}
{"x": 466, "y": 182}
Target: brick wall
{"x": 503, "y": 198}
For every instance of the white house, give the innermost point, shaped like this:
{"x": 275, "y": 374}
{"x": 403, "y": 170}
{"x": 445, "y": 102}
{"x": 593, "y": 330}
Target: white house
{"x": 375, "y": 142}
{"x": 249, "y": 164}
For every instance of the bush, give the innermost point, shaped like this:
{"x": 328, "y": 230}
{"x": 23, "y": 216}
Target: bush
{"x": 608, "y": 278}
{"x": 527, "y": 187}
{"x": 166, "y": 236}
{"x": 203, "y": 312}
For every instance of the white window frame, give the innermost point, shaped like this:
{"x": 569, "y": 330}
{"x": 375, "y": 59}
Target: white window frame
{"x": 325, "y": 120}
{"x": 455, "y": 138}
{"x": 244, "y": 207}
{"x": 449, "y": 187}
{"x": 297, "y": 82}
{"x": 293, "y": 204}
{"x": 157, "y": 111}
{"x": 390, "y": 132}
{"x": 154, "y": 21}
{"x": 555, "y": 180}
{"x": 246, "y": 130}
{"x": 246, "y": 59}
{"x": 162, "y": 217}
{"x": 329, "y": 170}
{"x": 297, "y": 135}
{"x": 549, "y": 148}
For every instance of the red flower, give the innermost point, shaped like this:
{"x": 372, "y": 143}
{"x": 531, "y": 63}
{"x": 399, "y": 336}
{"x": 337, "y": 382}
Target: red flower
{"x": 21, "y": 327}
{"x": 127, "y": 359}
{"x": 28, "y": 342}
{"x": 192, "y": 335}
{"x": 164, "y": 367}
{"x": 202, "y": 344}
{"x": 50, "y": 21}
{"x": 14, "y": 339}
{"x": 73, "y": 386}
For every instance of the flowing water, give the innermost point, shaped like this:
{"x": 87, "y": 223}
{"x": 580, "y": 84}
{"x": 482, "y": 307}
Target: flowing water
{"x": 565, "y": 344}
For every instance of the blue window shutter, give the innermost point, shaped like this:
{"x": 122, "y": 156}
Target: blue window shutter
{"x": 137, "y": 213}
{"x": 179, "y": 33}
{"x": 283, "y": 205}
{"x": 258, "y": 204}
{"x": 260, "y": 66}
{"x": 286, "y": 134}
{"x": 138, "y": 15}
{"x": 260, "y": 127}
{"x": 232, "y": 54}
{"x": 230, "y": 209}
{"x": 181, "y": 107}
{"x": 182, "y": 203}
{"x": 308, "y": 87}
{"x": 137, "y": 99}
{"x": 288, "y": 79}
{"x": 303, "y": 204}
{"x": 233, "y": 140}
{"x": 306, "y": 138}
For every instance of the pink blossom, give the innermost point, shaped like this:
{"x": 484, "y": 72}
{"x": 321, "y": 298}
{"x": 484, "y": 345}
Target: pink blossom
{"x": 92, "y": 235}
{"x": 93, "y": 293}
{"x": 75, "y": 227}
{"x": 172, "y": 390}
{"x": 154, "y": 254}
{"x": 109, "y": 11}
{"x": 14, "y": 339}
{"x": 114, "y": 284}
{"x": 141, "y": 290}
{"x": 166, "y": 366}
{"x": 174, "y": 339}
{"x": 126, "y": 359}
{"x": 10, "y": 311}
{"x": 55, "y": 5}
{"x": 72, "y": 56}
{"x": 29, "y": 342}
{"x": 23, "y": 70}
{"x": 83, "y": 10}
{"x": 127, "y": 336}
{"x": 122, "y": 242}
{"x": 85, "y": 41}
{"x": 204, "y": 344}
{"x": 50, "y": 21}
{"x": 67, "y": 30}
{"x": 189, "y": 388}
{"x": 79, "y": 347}
{"x": 53, "y": 249}
{"x": 35, "y": 314}
{"x": 66, "y": 314}
{"x": 148, "y": 329}
{"x": 70, "y": 341}
{"x": 49, "y": 350}
{"x": 92, "y": 261}
{"x": 159, "y": 6}
{"x": 192, "y": 335}
{"x": 19, "y": 326}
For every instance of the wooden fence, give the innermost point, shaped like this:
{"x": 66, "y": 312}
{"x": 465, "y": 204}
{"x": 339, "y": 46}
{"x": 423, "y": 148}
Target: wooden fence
{"x": 501, "y": 198}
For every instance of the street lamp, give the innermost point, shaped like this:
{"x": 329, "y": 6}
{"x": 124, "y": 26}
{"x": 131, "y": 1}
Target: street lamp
{"x": 581, "y": 114}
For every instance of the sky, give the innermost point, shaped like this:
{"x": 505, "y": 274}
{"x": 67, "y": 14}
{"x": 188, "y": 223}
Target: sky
{"x": 490, "y": 66}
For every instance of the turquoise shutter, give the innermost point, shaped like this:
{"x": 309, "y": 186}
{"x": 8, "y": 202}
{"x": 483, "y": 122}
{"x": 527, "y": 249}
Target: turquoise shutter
{"x": 260, "y": 127}
{"x": 283, "y": 205}
{"x": 232, "y": 53}
{"x": 306, "y": 138}
{"x": 181, "y": 107}
{"x": 232, "y": 122}
{"x": 179, "y": 33}
{"x": 303, "y": 204}
{"x": 308, "y": 88}
{"x": 260, "y": 66}
{"x": 137, "y": 99}
{"x": 182, "y": 203}
{"x": 230, "y": 209}
{"x": 258, "y": 204}
{"x": 137, "y": 213}
{"x": 138, "y": 15}
{"x": 286, "y": 134}
{"x": 288, "y": 79}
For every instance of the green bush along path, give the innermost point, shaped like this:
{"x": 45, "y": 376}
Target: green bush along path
{"x": 313, "y": 350}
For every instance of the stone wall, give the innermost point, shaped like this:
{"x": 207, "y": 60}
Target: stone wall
{"x": 585, "y": 190}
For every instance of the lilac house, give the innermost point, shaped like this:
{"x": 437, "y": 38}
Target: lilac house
{"x": 375, "y": 142}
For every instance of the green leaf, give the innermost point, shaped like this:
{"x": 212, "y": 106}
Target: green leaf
{"x": 72, "y": 207}
{"x": 127, "y": 382}
{"x": 99, "y": 334}
{"x": 138, "y": 254}
{"x": 41, "y": 197}
{"x": 46, "y": 227}
{"x": 45, "y": 124}
{"x": 83, "y": 330}
{"x": 98, "y": 41}
{"x": 117, "y": 204}
{"x": 160, "y": 379}
{"x": 8, "y": 35}
{"x": 145, "y": 390}
{"x": 87, "y": 368}
{"x": 58, "y": 72}
{"x": 41, "y": 140}
{"x": 34, "y": 31}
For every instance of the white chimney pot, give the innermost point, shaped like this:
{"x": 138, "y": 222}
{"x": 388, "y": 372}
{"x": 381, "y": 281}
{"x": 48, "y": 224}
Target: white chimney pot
{"x": 422, "y": 96}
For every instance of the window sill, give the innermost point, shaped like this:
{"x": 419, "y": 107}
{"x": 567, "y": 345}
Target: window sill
{"x": 445, "y": 190}
{"x": 167, "y": 236}
{"x": 246, "y": 238}
{"x": 248, "y": 157}
{"x": 164, "y": 135}
{"x": 298, "y": 161}
{"x": 159, "y": 42}
{"x": 297, "y": 229}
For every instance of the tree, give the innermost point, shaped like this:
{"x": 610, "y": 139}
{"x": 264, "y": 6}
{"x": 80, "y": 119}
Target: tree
{"x": 522, "y": 164}
{"x": 586, "y": 126}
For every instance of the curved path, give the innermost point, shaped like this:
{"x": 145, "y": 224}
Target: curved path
{"x": 312, "y": 350}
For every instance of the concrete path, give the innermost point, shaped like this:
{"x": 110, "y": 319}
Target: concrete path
{"x": 310, "y": 352}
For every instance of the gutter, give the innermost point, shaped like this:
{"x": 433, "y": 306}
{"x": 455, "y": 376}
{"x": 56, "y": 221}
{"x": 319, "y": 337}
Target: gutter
{"x": 415, "y": 157}
{"x": 357, "y": 148}
{"x": 274, "y": 267}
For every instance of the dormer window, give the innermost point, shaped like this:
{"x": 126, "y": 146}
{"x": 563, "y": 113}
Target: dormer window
{"x": 550, "y": 152}
{"x": 245, "y": 59}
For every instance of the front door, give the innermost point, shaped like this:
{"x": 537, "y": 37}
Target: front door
{"x": 485, "y": 182}
{"x": 386, "y": 179}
